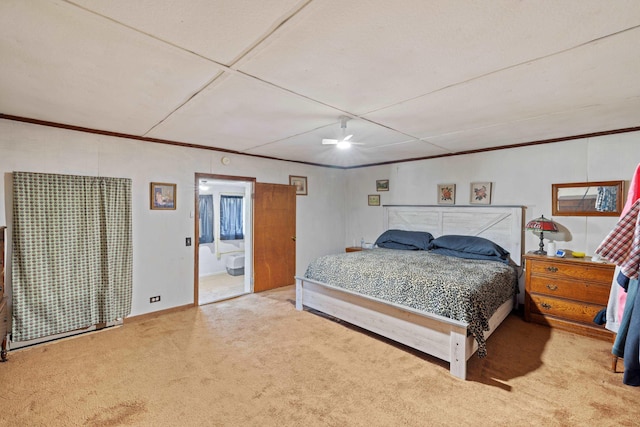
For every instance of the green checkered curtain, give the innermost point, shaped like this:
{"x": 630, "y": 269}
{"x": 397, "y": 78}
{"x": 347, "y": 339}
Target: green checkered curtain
{"x": 72, "y": 252}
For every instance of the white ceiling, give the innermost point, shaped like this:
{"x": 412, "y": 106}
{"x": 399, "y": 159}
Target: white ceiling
{"x": 418, "y": 78}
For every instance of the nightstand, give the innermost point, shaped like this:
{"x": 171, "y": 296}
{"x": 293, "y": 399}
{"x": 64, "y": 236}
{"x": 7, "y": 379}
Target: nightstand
{"x": 567, "y": 293}
{"x": 353, "y": 249}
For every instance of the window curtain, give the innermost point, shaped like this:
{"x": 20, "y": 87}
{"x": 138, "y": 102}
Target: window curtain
{"x": 72, "y": 252}
{"x": 231, "y": 217}
{"x": 206, "y": 218}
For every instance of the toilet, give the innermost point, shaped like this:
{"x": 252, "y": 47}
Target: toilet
{"x": 235, "y": 264}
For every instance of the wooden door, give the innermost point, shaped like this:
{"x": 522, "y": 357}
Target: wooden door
{"x": 274, "y": 234}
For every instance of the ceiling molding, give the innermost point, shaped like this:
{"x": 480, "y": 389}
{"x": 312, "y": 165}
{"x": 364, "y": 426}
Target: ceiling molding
{"x": 204, "y": 147}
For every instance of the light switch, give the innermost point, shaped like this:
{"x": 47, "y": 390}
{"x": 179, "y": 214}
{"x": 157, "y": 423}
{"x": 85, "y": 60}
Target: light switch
{"x": 188, "y": 241}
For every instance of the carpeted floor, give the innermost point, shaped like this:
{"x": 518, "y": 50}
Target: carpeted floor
{"x": 256, "y": 361}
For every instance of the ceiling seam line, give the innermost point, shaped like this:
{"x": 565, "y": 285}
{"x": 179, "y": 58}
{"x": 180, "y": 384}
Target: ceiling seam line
{"x": 227, "y": 68}
{"x": 347, "y": 113}
{"x": 198, "y": 91}
{"x": 182, "y": 104}
{"x": 481, "y": 76}
{"x": 268, "y": 34}
{"x": 524, "y": 119}
{"x": 361, "y": 116}
{"x": 232, "y": 71}
{"x": 184, "y": 49}
{"x": 115, "y": 21}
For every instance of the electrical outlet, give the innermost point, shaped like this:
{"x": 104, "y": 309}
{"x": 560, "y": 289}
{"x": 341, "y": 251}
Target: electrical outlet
{"x": 188, "y": 241}
{"x": 154, "y": 299}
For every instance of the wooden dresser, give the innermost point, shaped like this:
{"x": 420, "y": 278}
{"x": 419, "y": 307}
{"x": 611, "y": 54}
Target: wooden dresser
{"x": 4, "y": 311}
{"x": 567, "y": 293}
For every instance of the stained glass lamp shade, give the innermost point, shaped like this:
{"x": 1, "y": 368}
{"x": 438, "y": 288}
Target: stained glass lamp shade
{"x": 541, "y": 225}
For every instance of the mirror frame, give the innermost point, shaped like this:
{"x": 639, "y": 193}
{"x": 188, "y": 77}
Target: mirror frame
{"x": 619, "y": 202}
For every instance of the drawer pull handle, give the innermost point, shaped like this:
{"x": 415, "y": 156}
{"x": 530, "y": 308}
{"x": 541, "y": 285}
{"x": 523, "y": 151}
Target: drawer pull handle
{"x": 552, "y": 287}
{"x": 546, "y": 306}
{"x": 552, "y": 269}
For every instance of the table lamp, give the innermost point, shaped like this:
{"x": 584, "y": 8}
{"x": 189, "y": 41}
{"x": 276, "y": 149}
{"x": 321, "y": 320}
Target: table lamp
{"x": 541, "y": 225}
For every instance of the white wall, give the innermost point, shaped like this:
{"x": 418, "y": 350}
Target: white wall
{"x": 520, "y": 176}
{"x": 332, "y": 216}
{"x": 162, "y": 264}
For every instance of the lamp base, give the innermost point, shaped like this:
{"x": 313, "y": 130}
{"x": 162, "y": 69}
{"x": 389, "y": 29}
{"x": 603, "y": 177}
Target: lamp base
{"x": 538, "y": 252}
{"x": 541, "y": 251}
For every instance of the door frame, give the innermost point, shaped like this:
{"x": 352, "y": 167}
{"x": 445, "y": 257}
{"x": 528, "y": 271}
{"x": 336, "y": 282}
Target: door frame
{"x": 196, "y": 243}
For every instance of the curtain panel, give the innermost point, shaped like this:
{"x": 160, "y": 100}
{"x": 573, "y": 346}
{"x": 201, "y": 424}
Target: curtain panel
{"x": 72, "y": 252}
{"x": 231, "y": 224}
{"x": 205, "y": 209}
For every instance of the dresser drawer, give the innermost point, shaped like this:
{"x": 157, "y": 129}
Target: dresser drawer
{"x": 592, "y": 330}
{"x": 565, "y": 309}
{"x": 596, "y": 293}
{"x": 569, "y": 271}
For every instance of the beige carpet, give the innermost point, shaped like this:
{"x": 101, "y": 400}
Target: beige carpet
{"x": 256, "y": 361}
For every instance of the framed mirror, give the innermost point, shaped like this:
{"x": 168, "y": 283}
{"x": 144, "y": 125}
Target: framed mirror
{"x": 602, "y": 198}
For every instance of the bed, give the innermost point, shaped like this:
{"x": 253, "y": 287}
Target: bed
{"x": 416, "y": 325}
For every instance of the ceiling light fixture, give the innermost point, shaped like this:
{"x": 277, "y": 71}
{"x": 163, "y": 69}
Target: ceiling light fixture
{"x": 345, "y": 142}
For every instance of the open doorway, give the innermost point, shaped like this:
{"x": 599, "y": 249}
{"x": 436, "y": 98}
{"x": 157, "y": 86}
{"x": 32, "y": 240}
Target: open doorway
{"x": 224, "y": 237}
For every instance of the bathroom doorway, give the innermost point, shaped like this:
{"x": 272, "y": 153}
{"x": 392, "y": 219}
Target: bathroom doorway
{"x": 223, "y": 237}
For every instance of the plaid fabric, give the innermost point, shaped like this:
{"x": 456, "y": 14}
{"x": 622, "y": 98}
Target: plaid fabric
{"x": 72, "y": 252}
{"x": 622, "y": 245}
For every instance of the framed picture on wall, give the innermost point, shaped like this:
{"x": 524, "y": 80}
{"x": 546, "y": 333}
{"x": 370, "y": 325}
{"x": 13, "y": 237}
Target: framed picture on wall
{"x": 162, "y": 196}
{"x": 382, "y": 185}
{"x": 374, "y": 199}
{"x": 301, "y": 184}
{"x": 480, "y": 193}
{"x": 446, "y": 194}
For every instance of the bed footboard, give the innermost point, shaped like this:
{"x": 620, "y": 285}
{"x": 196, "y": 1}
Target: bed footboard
{"x": 438, "y": 336}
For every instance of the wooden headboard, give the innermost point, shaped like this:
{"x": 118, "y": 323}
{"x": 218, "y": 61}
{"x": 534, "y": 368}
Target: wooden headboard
{"x": 500, "y": 224}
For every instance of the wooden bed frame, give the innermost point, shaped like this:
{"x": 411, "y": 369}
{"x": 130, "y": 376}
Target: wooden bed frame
{"x": 433, "y": 334}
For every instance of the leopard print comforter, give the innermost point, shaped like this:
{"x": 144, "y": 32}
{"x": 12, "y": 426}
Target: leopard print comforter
{"x": 466, "y": 290}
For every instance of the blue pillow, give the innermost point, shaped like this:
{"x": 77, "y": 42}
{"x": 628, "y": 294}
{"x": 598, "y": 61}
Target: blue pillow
{"x": 470, "y": 245}
{"x": 405, "y": 240}
{"x": 468, "y": 255}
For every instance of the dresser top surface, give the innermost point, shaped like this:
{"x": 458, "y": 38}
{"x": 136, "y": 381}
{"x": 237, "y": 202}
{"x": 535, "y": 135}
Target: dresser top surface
{"x": 567, "y": 259}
